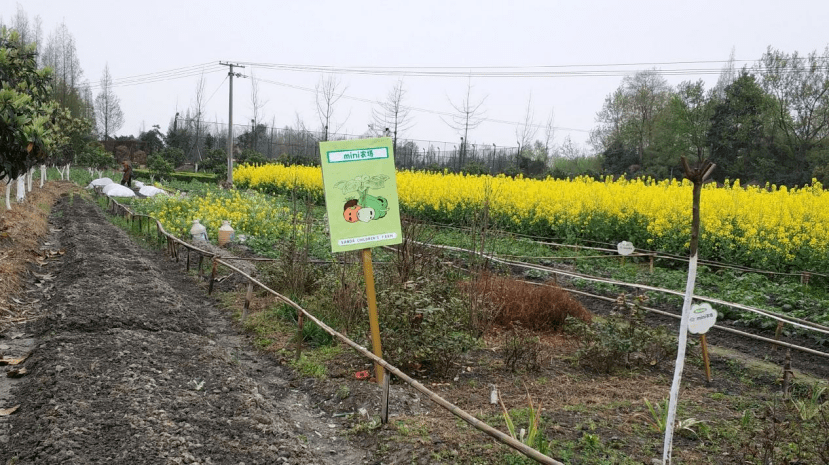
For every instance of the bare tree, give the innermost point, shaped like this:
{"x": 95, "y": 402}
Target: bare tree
{"x": 199, "y": 102}
{"x": 328, "y": 91}
{"x": 468, "y": 116}
{"x": 109, "y": 117}
{"x": 392, "y": 114}
{"x": 727, "y": 76}
{"x": 549, "y": 133}
{"x": 526, "y": 131}
{"x": 257, "y": 103}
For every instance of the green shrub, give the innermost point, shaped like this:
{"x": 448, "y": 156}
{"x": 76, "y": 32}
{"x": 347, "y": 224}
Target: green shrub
{"x": 420, "y": 330}
{"x": 623, "y": 339}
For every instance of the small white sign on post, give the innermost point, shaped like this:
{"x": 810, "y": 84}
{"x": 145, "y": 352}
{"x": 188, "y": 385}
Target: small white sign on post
{"x": 702, "y": 318}
{"x": 625, "y": 248}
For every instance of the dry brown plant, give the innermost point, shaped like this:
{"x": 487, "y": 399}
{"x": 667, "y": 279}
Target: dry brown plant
{"x": 535, "y": 307}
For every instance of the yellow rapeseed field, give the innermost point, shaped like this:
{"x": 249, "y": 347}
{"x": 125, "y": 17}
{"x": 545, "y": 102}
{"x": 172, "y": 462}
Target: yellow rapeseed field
{"x": 768, "y": 227}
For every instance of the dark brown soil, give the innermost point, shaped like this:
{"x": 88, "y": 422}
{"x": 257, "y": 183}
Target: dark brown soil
{"x": 133, "y": 363}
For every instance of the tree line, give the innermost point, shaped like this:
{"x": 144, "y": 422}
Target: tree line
{"x": 765, "y": 123}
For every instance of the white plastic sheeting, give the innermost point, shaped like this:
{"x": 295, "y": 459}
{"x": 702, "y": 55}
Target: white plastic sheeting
{"x": 150, "y": 191}
{"x": 138, "y": 184}
{"x": 117, "y": 190}
{"x": 99, "y": 182}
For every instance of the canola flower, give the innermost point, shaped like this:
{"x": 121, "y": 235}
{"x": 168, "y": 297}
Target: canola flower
{"x": 249, "y": 213}
{"x": 765, "y": 227}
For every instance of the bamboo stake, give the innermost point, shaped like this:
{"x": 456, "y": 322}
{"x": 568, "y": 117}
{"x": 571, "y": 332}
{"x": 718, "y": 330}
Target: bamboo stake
{"x": 704, "y": 346}
{"x": 777, "y": 332}
{"x": 299, "y": 335}
{"x": 248, "y": 296}
{"x": 212, "y": 277}
{"x": 374, "y": 323}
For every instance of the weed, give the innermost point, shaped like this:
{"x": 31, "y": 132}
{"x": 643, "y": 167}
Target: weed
{"x": 533, "y": 435}
{"x": 343, "y": 392}
{"x": 308, "y": 367}
{"x": 522, "y": 348}
{"x": 658, "y": 415}
{"x": 811, "y": 406}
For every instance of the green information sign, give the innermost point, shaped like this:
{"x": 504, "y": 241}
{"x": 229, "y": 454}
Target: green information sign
{"x": 361, "y": 193}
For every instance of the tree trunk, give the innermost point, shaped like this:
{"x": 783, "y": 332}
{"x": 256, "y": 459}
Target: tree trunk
{"x": 21, "y": 188}
{"x": 42, "y": 175}
{"x": 8, "y": 183}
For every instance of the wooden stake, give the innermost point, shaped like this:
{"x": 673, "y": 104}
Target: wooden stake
{"x": 248, "y": 296}
{"x": 384, "y": 401}
{"x": 374, "y": 322}
{"x": 777, "y": 334}
{"x": 651, "y": 266}
{"x": 299, "y": 335}
{"x": 705, "y": 360}
{"x": 212, "y": 277}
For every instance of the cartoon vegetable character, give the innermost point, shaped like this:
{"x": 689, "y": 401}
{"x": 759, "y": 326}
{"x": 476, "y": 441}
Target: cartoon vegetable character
{"x": 365, "y": 207}
{"x": 379, "y": 204}
{"x": 353, "y": 212}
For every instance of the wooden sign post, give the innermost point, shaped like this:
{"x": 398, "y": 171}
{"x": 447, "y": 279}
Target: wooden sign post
{"x": 363, "y": 210}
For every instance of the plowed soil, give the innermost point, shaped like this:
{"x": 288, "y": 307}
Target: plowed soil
{"x": 129, "y": 362}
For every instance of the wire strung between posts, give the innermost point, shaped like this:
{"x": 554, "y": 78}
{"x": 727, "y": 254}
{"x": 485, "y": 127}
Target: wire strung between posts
{"x": 783, "y": 318}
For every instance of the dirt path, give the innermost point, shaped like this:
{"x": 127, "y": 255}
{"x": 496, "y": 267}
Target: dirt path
{"x": 133, "y": 363}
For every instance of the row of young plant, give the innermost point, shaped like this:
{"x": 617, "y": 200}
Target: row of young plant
{"x": 434, "y": 312}
{"x": 767, "y": 227}
{"x": 264, "y": 219}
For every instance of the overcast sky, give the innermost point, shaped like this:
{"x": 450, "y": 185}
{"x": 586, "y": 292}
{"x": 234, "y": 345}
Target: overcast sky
{"x": 142, "y": 38}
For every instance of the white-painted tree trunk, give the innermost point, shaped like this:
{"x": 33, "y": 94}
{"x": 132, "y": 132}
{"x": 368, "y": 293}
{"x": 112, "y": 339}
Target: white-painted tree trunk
{"x": 8, "y": 183}
{"x": 29, "y": 179}
{"x": 42, "y": 174}
{"x": 67, "y": 171}
{"x": 21, "y": 188}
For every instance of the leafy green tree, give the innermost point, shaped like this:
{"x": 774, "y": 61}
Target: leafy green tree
{"x": 153, "y": 140}
{"x": 251, "y": 157}
{"x": 25, "y": 107}
{"x": 215, "y": 161}
{"x": 741, "y": 132}
{"x": 682, "y": 130}
{"x": 71, "y": 137}
{"x": 173, "y": 155}
{"x": 159, "y": 166}
{"x": 800, "y": 86}
{"x": 94, "y": 156}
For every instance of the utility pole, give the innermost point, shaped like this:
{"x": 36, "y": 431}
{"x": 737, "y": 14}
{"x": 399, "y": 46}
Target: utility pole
{"x": 230, "y": 121}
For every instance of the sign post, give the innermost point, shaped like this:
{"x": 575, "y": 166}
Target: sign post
{"x": 625, "y": 248}
{"x": 701, "y": 320}
{"x": 363, "y": 210}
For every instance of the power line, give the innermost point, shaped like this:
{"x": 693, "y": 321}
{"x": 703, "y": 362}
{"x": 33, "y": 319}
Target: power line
{"x": 421, "y": 110}
{"x": 166, "y": 75}
{"x": 534, "y": 71}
